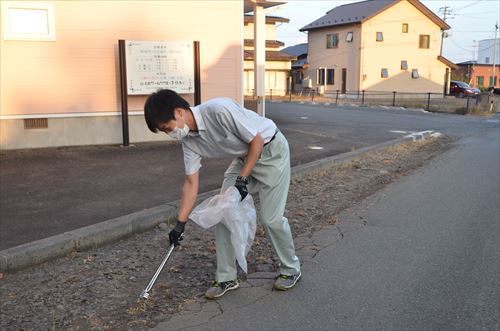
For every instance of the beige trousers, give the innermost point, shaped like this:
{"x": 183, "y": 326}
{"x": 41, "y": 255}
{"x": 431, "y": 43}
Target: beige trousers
{"x": 271, "y": 179}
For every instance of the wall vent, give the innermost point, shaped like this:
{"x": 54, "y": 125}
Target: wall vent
{"x": 36, "y": 123}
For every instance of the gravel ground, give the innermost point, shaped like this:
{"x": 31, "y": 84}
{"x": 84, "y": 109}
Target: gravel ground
{"x": 98, "y": 289}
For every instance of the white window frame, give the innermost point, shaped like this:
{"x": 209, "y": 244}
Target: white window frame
{"x": 8, "y": 34}
{"x": 318, "y": 76}
{"x": 384, "y": 73}
{"x": 329, "y": 40}
{"x": 349, "y": 37}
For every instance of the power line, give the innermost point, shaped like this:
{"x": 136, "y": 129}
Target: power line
{"x": 470, "y": 50}
{"x": 481, "y": 13}
{"x": 459, "y": 46}
{"x": 467, "y": 6}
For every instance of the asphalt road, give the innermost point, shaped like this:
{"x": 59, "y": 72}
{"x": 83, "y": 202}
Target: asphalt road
{"x": 49, "y": 191}
{"x": 427, "y": 258}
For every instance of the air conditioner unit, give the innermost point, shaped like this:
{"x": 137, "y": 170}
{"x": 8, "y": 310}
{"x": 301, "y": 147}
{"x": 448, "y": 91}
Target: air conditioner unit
{"x": 307, "y": 83}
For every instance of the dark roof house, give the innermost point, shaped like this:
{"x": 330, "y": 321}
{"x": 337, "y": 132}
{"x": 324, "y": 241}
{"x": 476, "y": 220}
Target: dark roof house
{"x": 296, "y": 50}
{"x": 359, "y": 12}
{"x": 300, "y": 52}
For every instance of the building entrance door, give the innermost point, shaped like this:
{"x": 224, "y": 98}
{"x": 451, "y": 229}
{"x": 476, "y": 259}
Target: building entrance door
{"x": 344, "y": 80}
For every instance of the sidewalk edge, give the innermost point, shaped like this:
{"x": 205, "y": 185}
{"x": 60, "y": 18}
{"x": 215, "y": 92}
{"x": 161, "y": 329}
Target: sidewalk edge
{"x": 106, "y": 232}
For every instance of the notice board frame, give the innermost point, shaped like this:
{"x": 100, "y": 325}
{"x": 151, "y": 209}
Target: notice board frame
{"x": 124, "y": 87}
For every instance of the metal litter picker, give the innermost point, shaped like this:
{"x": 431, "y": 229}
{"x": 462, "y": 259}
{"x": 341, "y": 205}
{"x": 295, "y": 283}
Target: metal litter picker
{"x": 145, "y": 293}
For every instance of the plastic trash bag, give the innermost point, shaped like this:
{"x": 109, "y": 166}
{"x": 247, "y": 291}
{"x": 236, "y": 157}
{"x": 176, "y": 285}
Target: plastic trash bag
{"x": 238, "y": 216}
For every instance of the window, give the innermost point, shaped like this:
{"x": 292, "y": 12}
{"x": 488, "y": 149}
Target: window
{"x": 404, "y": 65}
{"x": 424, "y": 41}
{"x": 349, "y": 37}
{"x": 405, "y": 28}
{"x": 414, "y": 74}
{"x": 491, "y": 81}
{"x": 330, "y": 75}
{"x": 480, "y": 81}
{"x": 28, "y": 21}
{"x": 297, "y": 76}
{"x": 270, "y": 77}
{"x": 487, "y": 60}
{"x": 332, "y": 40}
{"x": 380, "y": 36}
{"x": 384, "y": 73}
{"x": 321, "y": 76}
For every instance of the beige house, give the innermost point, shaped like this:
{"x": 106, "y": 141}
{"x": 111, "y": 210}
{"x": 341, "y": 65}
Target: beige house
{"x": 278, "y": 64}
{"x": 59, "y": 64}
{"x": 377, "y": 45}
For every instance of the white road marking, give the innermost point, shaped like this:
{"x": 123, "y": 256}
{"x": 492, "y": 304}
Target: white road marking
{"x": 315, "y": 147}
{"x": 420, "y": 135}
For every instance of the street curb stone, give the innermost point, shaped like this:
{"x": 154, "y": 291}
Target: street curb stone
{"x": 97, "y": 235}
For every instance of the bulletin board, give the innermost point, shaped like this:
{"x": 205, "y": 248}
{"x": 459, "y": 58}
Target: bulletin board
{"x": 147, "y": 66}
{"x": 153, "y": 65}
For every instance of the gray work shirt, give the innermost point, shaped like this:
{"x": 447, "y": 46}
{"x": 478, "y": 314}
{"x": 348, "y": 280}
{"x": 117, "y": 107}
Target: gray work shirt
{"x": 224, "y": 130}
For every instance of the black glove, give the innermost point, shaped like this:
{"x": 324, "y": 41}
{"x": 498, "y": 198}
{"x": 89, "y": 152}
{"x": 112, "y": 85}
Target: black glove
{"x": 241, "y": 185}
{"x": 176, "y": 234}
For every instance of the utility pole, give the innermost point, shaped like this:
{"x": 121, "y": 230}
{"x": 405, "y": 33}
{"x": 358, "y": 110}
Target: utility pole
{"x": 445, "y": 10}
{"x": 493, "y": 83}
{"x": 475, "y": 45}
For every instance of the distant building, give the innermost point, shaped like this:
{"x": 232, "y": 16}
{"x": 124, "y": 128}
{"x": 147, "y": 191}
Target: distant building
{"x": 378, "y": 45}
{"x": 278, "y": 64}
{"x": 477, "y": 74}
{"x": 485, "y": 51}
{"x": 298, "y": 66}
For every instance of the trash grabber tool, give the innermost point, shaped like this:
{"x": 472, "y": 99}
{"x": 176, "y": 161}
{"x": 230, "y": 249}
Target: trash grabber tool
{"x": 145, "y": 293}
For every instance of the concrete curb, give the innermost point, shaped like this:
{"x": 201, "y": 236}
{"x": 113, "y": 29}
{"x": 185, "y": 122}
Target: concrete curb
{"x": 96, "y": 235}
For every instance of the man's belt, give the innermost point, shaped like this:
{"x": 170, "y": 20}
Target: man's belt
{"x": 272, "y": 138}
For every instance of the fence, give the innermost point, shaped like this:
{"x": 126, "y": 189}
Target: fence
{"x": 432, "y": 102}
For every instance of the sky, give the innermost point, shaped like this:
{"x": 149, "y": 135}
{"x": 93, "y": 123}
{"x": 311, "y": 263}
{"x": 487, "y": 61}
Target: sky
{"x": 470, "y": 21}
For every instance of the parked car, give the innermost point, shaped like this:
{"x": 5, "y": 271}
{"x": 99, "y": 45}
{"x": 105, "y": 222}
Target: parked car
{"x": 462, "y": 89}
{"x": 494, "y": 90}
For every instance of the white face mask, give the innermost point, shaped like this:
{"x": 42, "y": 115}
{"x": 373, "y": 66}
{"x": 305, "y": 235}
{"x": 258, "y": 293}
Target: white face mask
{"x": 179, "y": 133}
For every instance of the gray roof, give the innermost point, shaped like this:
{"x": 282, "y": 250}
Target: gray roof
{"x": 360, "y": 11}
{"x": 299, "y": 63}
{"x": 248, "y": 54}
{"x": 348, "y": 14}
{"x": 296, "y": 50}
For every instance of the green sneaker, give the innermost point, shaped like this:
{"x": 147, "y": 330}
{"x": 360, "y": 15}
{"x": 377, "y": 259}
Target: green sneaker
{"x": 219, "y": 289}
{"x": 285, "y": 282}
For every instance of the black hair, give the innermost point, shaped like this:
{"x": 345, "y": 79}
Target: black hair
{"x": 160, "y": 106}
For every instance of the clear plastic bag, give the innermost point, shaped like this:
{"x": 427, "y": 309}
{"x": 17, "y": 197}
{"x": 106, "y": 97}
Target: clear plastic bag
{"x": 238, "y": 216}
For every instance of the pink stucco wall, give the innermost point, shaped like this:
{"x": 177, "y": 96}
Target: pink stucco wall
{"x": 78, "y": 72}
